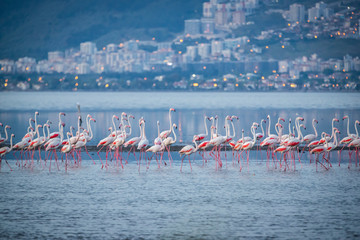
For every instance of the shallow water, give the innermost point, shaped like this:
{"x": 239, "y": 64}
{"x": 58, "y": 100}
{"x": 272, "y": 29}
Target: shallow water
{"x": 164, "y": 203}
{"x": 90, "y": 202}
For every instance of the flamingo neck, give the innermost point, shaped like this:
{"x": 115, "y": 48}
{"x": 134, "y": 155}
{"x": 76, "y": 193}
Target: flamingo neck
{"x": 170, "y": 119}
{"x": 269, "y": 126}
{"x": 357, "y": 133}
{"x": 11, "y": 142}
{"x": 44, "y": 132}
{"x": 232, "y": 124}
{"x": 348, "y": 130}
{"x": 316, "y": 134}
{"x": 253, "y": 133}
{"x": 262, "y": 129}
{"x": 143, "y": 132}
{"x": 174, "y": 135}
{"x": 113, "y": 122}
{"x": 206, "y": 130}
{"x": 6, "y": 134}
{"x": 158, "y": 127}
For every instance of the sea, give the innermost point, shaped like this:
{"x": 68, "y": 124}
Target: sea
{"x": 200, "y": 202}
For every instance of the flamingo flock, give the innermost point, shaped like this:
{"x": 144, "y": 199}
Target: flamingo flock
{"x": 39, "y": 145}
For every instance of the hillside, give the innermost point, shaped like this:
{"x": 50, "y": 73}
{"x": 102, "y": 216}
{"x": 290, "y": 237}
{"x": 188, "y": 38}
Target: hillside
{"x": 34, "y": 27}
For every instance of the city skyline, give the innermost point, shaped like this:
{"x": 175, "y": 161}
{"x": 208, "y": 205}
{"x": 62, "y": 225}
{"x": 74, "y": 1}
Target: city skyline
{"x": 210, "y": 47}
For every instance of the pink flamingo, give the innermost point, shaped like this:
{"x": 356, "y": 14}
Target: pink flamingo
{"x": 320, "y": 149}
{"x": 108, "y": 140}
{"x": 5, "y": 150}
{"x": 134, "y": 141}
{"x": 322, "y": 140}
{"x": 205, "y": 144}
{"x": 247, "y": 146}
{"x": 155, "y": 149}
{"x": 201, "y": 136}
{"x": 158, "y": 140}
{"x": 142, "y": 145}
{"x": 66, "y": 149}
{"x": 187, "y": 151}
{"x": 57, "y": 134}
{"x": 168, "y": 142}
{"x": 350, "y": 137}
{"x": 166, "y": 133}
{"x": 6, "y": 134}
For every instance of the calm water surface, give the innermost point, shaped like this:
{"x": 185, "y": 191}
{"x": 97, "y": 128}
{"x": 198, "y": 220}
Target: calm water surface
{"x": 88, "y": 202}
{"x": 94, "y": 203}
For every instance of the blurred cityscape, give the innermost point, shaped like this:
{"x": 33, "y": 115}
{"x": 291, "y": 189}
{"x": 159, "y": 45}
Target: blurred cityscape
{"x": 210, "y": 54}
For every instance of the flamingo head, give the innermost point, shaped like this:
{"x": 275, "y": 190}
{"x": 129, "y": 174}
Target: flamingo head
{"x": 216, "y": 116}
{"x": 131, "y": 116}
{"x": 263, "y": 120}
{"x": 242, "y": 130}
{"x": 268, "y": 116}
{"x": 36, "y": 113}
{"x": 39, "y": 126}
{"x": 63, "y": 124}
{"x": 256, "y": 124}
{"x": 302, "y": 125}
{"x": 1, "y": 124}
{"x": 300, "y": 118}
{"x": 32, "y": 120}
{"x": 279, "y": 125}
{"x": 236, "y": 117}
{"x": 289, "y": 120}
{"x": 281, "y": 119}
{"x": 31, "y": 128}
{"x": 316, "y": 121}
{"x": 49, "y": 122}
{"x": 7, "y": 126}
{"x": 172, "y": 109}
{"x": 91, "y": 119}
{"x": 62, "y": 114}
{"x": 357, "y": 121}
{"x": 175, "y": 126}
{"x": 335, "y": 119}
{"x": 345, "y": 117}
{"x": 114, "y": 116}
{"x": 228, "y": 118}
{"x": 12, "y": 135}
{"x": 124, "y": 114}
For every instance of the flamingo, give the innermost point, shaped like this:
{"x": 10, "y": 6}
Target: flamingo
{"x": 247, "y": 146}
{"x": 30, "y": 134}
{"x": 320, "y": 149}
{"x": 158, "y": 140}
{"x": 5, "y": 150}
{"x": 66, "y": 149}
{"x": 216, "y": 142}
{"x": 135, "y": 140}
{"x": 6, "y": 134}
{"x": 144, "y": 142}
{"x": 155, "y": 149}
{"x": 166, "y": 133}
{"x": 350, "y": 137}
{"x": 311, "y": 137}
{"x": 57, "y": 134}
{"x": 54, "y": 144}
{"x": 205, "y": 144}
{"x": 322, "y": 140}
{"x": 201, "y": 136}
{"x": 169, "y": 141}
{"x": 187, "y": 151}
{"x": 108, "y": 140}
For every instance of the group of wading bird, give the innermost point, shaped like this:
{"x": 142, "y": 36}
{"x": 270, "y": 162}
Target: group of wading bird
{"x": 288, "y": 145}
